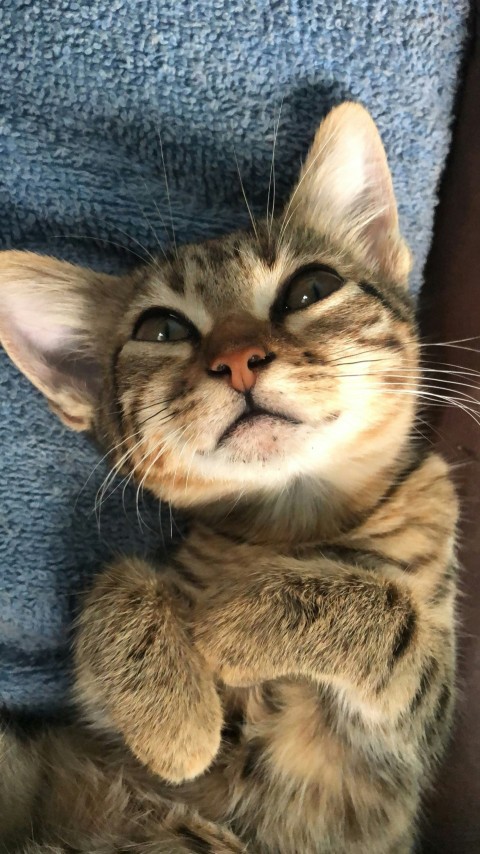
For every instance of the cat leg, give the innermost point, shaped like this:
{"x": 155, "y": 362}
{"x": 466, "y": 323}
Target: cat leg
{"x": 376, "y": 650}
{"x": 181, "y": 831}
{"x": 138, "y": 673}
{"x": 180, "y": 834}
{"x": 210, "y": 840}
{"x": 20, "y": 780}
{"x": 383, "y": 634}
{"x": 189, "y": 832}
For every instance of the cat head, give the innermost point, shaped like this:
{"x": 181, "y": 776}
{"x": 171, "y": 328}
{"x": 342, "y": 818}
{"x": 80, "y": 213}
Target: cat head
{"x": 246, "y": 363}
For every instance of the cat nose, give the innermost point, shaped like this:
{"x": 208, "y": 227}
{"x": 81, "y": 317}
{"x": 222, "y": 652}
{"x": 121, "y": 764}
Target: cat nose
{"x": 241, "y": 366}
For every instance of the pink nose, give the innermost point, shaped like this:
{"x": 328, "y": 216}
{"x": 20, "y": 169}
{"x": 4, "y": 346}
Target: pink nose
{"x": 239, "y": 366}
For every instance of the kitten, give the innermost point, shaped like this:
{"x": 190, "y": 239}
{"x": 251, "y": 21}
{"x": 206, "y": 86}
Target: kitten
{"x": 285, "y": 684}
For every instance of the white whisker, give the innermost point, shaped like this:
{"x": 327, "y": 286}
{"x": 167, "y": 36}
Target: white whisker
{"x": 272, "y": 179}
{"x": 245, "y": 195}
{"x": 167, "y": 190}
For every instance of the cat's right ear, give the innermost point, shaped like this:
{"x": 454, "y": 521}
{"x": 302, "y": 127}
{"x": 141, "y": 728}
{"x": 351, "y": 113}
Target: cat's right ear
{"x": 51, "y": 316}
{"x": 345, "y": 191}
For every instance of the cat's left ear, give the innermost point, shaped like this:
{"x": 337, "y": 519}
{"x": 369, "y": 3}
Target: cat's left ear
{"x": 55, "y": 318}
{"x": 345, "y": 191}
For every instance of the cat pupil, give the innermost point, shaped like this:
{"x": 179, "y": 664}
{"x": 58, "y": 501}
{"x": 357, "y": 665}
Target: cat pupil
{"x": 156, "y": 326}
{"x": 310, "y": 286}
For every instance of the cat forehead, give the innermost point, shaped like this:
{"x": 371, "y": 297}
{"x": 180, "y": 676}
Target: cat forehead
{"x": 209, "y": 280}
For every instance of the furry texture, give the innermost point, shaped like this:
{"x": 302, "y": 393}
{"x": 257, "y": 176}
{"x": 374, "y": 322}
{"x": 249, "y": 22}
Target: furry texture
{"x": 85, "y": 89}
{"x": 286, "y": 683}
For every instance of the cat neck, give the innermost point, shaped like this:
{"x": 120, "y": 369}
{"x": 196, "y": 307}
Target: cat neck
{"x": 308, "y": 509}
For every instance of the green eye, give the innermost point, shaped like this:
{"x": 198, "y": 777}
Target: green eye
{"x": 309, "y": 286}
{"x": 163, "y": 326}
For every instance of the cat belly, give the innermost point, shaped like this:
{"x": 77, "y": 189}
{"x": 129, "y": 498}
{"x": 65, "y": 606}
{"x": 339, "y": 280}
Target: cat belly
{"x": 288, "y": 783}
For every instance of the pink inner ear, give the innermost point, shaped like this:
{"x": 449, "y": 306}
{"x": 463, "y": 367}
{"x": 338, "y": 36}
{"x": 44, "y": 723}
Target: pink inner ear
{"x": 49, "y": 350}
{"x": 32, "y": 322}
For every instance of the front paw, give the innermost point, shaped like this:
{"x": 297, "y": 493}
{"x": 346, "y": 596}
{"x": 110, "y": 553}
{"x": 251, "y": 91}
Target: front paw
{"x": 221, "y": 636}
{"x": 138, "y": 673}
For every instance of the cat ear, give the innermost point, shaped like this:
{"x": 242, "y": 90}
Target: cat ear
{"x": 49, "y": 327}
{"x": 345, "y": 191}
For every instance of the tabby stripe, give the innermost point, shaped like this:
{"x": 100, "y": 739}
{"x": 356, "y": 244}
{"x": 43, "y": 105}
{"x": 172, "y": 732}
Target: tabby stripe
{"x": 199, "y": 554}
{"x": 232, "y": 730}
{"x": 144, "y": 643}
{"x": 401, "y": 478}
{"x": 443, "y": 703}
{"x": 431, "y": 527}
{"x": 186, "y": 573}
{"x": 197, "y": 845}
{"x": 174, "y": 280}
{"x": 388, "y": 342}
{"x": 362, "y": 558}
{"x": 422, "y": 561}
{"x": 444, "y": 589}
{"x": 404, "y": 635}
{"x": 329, "y": 707}
{"x": 372, "y": 291}
{"x": 427, "y": 487}
{"x": 117, "y": 404}
{"x": 271, "y": 698}
{"x": 434, "y": 726}
{"x": 252, "y": 767}
{"x": 353, "y": 829}
{"x": 426, "y": 681}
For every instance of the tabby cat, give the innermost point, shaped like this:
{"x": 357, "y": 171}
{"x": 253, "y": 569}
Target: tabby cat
{"x": 285, "y": 684}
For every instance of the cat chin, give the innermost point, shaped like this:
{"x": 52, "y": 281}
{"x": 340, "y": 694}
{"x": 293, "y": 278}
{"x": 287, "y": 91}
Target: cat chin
{"x": 260, "y": 440}
{"x": 268, "y": 452}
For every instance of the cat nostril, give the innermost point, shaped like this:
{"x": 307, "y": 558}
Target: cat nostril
{"x": 256, "y": 360}
{"x": 241, "y": 366}
{"x": 221, "y": 368}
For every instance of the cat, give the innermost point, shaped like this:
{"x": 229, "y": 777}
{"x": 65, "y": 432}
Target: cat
{"x": 285, "y": 685}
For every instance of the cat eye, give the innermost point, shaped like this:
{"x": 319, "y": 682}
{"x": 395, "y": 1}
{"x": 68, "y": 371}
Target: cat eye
{"x": 163, "y": 326}
{"x": 309, "y": 286}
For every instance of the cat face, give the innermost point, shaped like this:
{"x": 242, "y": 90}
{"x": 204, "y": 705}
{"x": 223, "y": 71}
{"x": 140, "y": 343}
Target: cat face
{"x": 245, "y": 363}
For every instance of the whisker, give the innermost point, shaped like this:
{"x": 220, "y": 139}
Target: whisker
{"x": 154, "y": 260}
{"x": 146, "y": 406}
{"x": 245, "y": 195}
{"x": 181, "y": 431}
{"x": 95, "y": 239}
{"x": 272, "y": 179}
{"x": 396, "y": 379}
{"x": 101, "y": 496}
{"x": 312, "y": 164}
{"x": 453, "y": 341}
{"x": 167, "y": 190}
{"x": 160, "y": 446}
{"x": 159, "y": 412}
{"x": 162, "y": 221}
{"x": 393, "y": 375}
{"x": 357, "y": 362}
{"x": 142, "y": 211}
{"x": 432, "y": 399}
{"x": 99, "y": 463}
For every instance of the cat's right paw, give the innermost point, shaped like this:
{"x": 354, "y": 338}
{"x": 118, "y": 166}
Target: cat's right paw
{"x": 179, "y": 743}
{"x": 138, "y": 673}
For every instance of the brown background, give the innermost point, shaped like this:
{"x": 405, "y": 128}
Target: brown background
{"x": 451, "y": 310}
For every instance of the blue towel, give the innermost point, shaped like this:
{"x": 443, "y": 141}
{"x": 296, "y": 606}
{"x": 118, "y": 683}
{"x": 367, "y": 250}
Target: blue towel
{"x": 109, "y": 108}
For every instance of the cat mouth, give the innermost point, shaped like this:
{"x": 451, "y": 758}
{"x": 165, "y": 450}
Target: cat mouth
{"x": 258, "y": 417}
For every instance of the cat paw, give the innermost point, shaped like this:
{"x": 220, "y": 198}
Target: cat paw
{"x": 181, "y": 742}
{"x": 138, "y": 674}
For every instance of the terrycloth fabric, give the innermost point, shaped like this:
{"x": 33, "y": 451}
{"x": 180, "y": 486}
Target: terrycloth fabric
{"x": 91, "y": 91}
